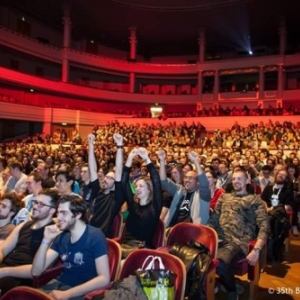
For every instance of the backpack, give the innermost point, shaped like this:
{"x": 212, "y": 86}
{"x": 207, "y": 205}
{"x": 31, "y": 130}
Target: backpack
{"x": 197, "y": 259}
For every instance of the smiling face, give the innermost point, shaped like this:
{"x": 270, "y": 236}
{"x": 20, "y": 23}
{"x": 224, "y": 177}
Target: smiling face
{"x": 239, "y": 182}
{"x": 66, "y": 220}
{"x": 190, "y": 181}
{"x": 42, "y": 208}
{"x": 143, "y": 189}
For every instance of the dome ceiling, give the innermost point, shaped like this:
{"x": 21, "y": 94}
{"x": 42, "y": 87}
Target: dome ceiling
{"x": 170, "y": 27}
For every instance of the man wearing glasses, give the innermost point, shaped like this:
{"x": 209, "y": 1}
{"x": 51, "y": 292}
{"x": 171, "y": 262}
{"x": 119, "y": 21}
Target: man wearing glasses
{"x": 81, "y": 247}
{"x": 10, "y": 205}
{"x": 18, "y": 250}
{"x": 191, "y": 201}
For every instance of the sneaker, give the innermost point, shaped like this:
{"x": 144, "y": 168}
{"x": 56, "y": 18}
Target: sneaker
{"x": 295, "y": 231}
{"x": 232, "y": 296}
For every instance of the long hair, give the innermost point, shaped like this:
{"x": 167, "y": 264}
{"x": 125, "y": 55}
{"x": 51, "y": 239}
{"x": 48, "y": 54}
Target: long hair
{"x": 149, "y": 184}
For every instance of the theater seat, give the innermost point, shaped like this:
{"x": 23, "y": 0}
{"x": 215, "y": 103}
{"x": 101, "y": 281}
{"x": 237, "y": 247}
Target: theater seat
{"x": 135, "y": 261}
{"x": 183, "y": 232}
{"x": 25, "y": 293}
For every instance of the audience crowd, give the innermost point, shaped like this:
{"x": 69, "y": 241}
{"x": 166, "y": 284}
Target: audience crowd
{"x": 177, "y": 173}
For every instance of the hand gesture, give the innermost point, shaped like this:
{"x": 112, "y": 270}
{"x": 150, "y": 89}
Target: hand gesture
{"x": 118, "y": 138}
{"x": 51, "y": 232}
{"x": 161, "y": 155}
{"x": 143, "y": 153}
{"x": 193, "y": 157}
{"x": 134, "y": 152}
{"x": 91, "y": 138}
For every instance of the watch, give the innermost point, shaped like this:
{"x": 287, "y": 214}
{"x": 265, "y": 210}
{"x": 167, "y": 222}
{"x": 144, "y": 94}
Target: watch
{"x": 256, "y": 250}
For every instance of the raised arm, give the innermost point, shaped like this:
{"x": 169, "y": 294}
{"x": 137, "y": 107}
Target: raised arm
{"x": 92, "y": 159}
{"x": 125, "y": 175}
{"x": 203, "y": 182}
{"x": 162, "y": 164}
{"x": 157, "y": 190}
{"x": 118, "y": 138}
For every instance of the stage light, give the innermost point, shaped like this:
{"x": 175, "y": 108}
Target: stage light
{"x": 250, "y": 52}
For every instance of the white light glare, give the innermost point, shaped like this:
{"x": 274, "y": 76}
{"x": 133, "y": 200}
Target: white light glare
{"x": 250, "y": 52}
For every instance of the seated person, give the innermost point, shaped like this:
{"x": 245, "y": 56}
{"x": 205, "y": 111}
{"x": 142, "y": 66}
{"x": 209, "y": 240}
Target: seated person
{"x": 145, "y": 204}
{"x": 236, "y": 218}
{"x": 10, "y": 205}
{"x": 81, "y": 247}
{"x": 18, "y": 250}
{"x": 191, "y": 201}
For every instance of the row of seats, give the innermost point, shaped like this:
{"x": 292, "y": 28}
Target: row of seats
{"x": 181, "y": 233}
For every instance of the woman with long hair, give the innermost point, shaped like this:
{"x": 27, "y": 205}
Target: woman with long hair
{"x": 144, "y": 199}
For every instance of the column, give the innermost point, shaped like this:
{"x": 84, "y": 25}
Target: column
{"x": 131, "y": 82}
{"x": 216, "y": 86}
{"x": 132, "y": 41}
{"x": 201, "y": 42}
{"x": 282, "y": 36}
{"x": 66, "y": 40}
{"x": 200, "y": 85}
{"x": 280, "y": 81}
{"x": 261, "y": 87}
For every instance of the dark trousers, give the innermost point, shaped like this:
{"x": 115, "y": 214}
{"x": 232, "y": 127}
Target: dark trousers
{"x": 228, "y": 255}
{"x": 7, "y": 283}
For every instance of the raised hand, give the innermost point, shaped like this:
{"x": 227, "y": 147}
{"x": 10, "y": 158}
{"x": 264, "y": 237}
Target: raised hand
{"x": 161, "y": 155}
{"x": 91, "y": 138}
{"x": 118, "y": 138}
{"x": 134, "y": 152}
{"x": 143, "y": 153}
{"x": 193, "y": 156}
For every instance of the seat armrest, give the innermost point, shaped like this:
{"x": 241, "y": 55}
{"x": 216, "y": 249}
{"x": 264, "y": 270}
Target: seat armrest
{"x": 47, "y": 275}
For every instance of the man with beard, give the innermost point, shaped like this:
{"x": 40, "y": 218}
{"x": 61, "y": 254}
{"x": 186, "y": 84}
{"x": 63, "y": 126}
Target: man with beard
{"x": 10, "y": 205}
{"x": 109, "y": 200}
{"x": 236, "y": 218}
{"x": 191, "y": 201}
{"x": 278, "y": 198}
{"x": 82, "y": 249}
{"x": 18, "y": 250}
{"x": 89, "y": 176}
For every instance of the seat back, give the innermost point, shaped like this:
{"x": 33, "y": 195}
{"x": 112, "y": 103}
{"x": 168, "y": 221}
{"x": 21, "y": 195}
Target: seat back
{"x": 184, "y": 232}
{"x": 135, "y": 260}
{"x": 159, "y": 235}
{"x": 114, "y": 258}
{"x": 25, "y": 293}
{"x": 117, "y": 226}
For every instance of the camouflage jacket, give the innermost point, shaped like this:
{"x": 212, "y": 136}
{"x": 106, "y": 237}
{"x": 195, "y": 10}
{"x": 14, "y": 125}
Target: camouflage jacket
{"x": 240, "y": 219}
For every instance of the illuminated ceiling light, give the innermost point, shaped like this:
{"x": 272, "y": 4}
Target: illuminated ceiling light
{"x": 92, "y": 42}
{"x": 31, "y": 90}
{"x": 250, "y": 52}
{"x": 64, "y": 124}
{"x": 23, "y": 19}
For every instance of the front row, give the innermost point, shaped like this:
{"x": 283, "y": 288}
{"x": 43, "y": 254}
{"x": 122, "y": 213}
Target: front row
{"x": 33, "y": 246}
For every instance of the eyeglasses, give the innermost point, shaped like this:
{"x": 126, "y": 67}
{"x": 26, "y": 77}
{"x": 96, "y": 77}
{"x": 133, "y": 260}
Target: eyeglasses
{"x": 109, "y": 177}
{"x": 4, "y": 205}
{"x": 40, "y": 204}
{"x": 189, "y": 177}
